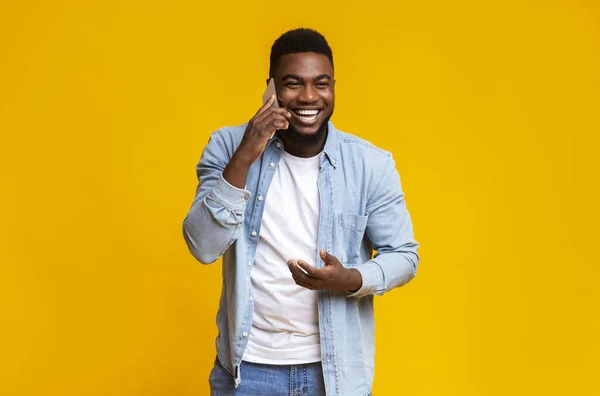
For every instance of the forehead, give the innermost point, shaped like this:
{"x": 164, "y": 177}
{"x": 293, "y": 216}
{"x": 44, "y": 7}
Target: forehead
{"x": 304, "y": 64}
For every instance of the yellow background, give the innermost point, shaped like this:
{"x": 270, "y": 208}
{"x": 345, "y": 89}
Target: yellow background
{"x": 490, "y": 108}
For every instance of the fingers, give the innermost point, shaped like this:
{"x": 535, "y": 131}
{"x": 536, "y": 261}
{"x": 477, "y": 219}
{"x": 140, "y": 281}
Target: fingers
{"x": 329, "y": 259}
{"x": 309, "y": 269}
{"x": 278, "y": 123}
{"x": 273, "y": 112}
{"x": 301, "y": 278}
{"x": 272, "y": 120}
{"x": 268, "y": 108}
{"x": 323, "y": 254}
{"x": 265, "y": 106}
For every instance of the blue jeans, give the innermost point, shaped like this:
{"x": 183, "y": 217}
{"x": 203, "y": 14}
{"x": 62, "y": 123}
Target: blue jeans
{"x": 269, "y": 380}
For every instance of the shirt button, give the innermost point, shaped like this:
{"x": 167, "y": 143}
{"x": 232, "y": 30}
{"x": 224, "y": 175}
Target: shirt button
{"x": 260, "y": 197}
{"x": 328, "y": 357}
{"x": 253, "y": 233}
{"x": 271, "y": 164}
{"x": 251, "y": 299}
{"x": 244, "y": 334}
{"x": 249, "y": 263}
{"x": 277, "y": 144}
{"x": 333, "y": 161}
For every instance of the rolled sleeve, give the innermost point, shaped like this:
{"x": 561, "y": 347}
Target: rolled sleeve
{"x": 229, "y": 196}
{"x": 372, "y": 279}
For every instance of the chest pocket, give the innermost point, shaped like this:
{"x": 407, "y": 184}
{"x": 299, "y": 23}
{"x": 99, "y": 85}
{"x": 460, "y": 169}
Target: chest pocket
{"x": 352, "y": 228}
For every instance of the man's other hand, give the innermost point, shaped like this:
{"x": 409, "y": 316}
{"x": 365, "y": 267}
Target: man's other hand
{"x": 333, "y": 276}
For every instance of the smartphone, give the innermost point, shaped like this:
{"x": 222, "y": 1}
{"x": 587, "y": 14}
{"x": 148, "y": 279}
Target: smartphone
{"x": 269, "y": 92}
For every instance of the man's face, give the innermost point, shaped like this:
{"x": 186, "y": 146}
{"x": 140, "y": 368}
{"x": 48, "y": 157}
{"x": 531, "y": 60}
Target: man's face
{"x": 305, "y": 86}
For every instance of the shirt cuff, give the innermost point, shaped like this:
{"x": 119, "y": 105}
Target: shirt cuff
{"x": 372, "y": 277}
{"x": 229, "y": 196}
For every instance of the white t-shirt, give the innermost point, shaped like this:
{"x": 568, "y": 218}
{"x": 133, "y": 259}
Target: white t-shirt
{"x": 285, "y": 323}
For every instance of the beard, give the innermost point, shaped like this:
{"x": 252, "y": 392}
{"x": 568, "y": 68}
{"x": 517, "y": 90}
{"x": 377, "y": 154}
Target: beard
{"x": 308, "y": 140}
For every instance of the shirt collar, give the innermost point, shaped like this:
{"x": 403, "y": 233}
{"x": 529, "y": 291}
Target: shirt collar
{"x": 331, "y": 146}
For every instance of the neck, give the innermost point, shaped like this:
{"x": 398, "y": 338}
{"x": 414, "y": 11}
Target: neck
{"x": 304, "y": 146}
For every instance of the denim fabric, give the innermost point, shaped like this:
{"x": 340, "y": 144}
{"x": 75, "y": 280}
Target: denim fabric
{"x": 362, "y": 209}
{"x": 269, "y": 380}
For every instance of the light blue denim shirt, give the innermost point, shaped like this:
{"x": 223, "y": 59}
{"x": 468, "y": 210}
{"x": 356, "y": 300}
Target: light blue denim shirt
{"x": 362, "y": 209}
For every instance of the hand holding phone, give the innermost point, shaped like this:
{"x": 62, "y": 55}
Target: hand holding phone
{"x": 268, "y": 119}
{"x": 261, "y": 128}
{"x": 271, "y": 91}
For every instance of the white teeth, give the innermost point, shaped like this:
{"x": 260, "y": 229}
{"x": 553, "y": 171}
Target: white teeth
{"x": 307, "y": 112}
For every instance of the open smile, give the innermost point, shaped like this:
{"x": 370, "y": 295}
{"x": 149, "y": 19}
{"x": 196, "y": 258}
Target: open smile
{"x": 307, "y": 117}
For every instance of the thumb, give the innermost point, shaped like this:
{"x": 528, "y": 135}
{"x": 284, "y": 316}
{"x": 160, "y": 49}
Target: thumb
{"x": 326, "y": 257}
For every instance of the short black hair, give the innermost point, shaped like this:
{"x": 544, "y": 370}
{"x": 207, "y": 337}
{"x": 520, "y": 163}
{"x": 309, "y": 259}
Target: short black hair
{"x": 296, "y": 41}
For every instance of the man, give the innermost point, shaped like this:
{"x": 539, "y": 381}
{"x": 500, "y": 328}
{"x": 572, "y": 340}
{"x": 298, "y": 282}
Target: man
{"x": 296, "y": 208}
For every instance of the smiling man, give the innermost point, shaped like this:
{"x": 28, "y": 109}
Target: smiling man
{"x": 296, "y": 208}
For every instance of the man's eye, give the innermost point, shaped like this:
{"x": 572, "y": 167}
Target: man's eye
{"x": 292, "y": 84}
{"x": 322, "y": 85}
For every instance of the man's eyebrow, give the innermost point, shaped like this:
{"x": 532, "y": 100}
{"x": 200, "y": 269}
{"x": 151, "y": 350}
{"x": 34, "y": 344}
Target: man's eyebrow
{"x": 297, "y": 77}
{"x": 323, "y": 76}
{"x": 294, "y": 76}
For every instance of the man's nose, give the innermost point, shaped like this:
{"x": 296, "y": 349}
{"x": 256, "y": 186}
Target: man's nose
{"x": 308, "y": 94}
